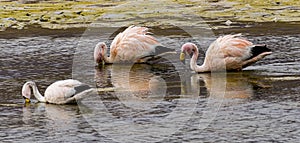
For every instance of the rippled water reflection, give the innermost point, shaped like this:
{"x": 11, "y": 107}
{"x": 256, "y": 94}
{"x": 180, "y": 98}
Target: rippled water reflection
{"x": 259, "y": 104}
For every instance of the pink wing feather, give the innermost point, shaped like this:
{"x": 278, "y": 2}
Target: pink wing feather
{"x": 132, "y": 44}
{"x": 234, "y": 47}
{"x": 231, "y": 49}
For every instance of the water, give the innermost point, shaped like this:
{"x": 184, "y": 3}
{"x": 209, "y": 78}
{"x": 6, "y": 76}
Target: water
{"x": 160, "y": 103}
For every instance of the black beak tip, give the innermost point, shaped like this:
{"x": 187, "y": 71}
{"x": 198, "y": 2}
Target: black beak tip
{"x": 27, "y": 100}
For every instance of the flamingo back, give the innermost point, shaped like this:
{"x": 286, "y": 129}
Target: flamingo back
{"x": 132, "y": 44}
{"x": 234, "y": 46}
{"x": 229, "y": 50}
{"x": 60, "y": 91}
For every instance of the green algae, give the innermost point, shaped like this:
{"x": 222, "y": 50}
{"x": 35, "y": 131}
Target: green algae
{"x": 56, "y": 14}
{"x": 47, "y": 13}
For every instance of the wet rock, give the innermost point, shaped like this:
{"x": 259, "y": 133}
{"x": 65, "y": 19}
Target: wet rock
{"x": 43, "y": 19}
{"x": 213, "y": 0}
{"x": 189, "y": 5}
{"x": 9, "y": 19}
{"x": 78, "y": 12}
{"x": 58, "y": 12}
{"x": 29, "y": 1}
{"x": 101, "y": 5}
{"x": 228, "y": 22}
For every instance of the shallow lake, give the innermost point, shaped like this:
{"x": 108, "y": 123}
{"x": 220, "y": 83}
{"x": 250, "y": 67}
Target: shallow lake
{"x": 165, "y": 102}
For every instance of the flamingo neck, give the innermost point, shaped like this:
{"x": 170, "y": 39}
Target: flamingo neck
{"x": 194, "y": 66}
{"x": 107, "y": 59}
{"x": 37, "y": 94}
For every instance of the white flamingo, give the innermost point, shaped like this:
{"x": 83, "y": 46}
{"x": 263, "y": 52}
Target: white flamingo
{"x": 59, "y": 92}
{"x": 231, "y": 51}
{"x": 133, "y": 45}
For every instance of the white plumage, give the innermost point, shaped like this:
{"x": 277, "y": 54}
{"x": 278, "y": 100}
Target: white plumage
{"x": 59, "y": 92}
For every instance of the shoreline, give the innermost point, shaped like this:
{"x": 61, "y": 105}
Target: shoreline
{"x": 220, "y": 14}
{"x": 265, "y": 28}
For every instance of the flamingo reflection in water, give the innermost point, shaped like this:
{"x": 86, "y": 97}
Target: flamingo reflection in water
{"x": 57, "y": 122}
{"x": 138, "y": 81}
{"x": 233, "y": 85}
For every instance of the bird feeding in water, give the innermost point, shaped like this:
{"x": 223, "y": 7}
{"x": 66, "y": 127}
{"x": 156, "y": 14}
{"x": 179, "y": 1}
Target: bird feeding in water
{"x": 230, "y": 51}
{"x": 59, "y": 92}
{"x": 133, "y": 45}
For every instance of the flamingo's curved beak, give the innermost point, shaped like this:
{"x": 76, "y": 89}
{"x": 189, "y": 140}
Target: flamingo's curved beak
{"x": 99, "y": 58}
{"x": 182, "y": 57}
{"x": 27, "y": 100}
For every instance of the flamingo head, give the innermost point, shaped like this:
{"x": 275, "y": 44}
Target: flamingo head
{"x": 99, "y": 52}
{"x": 187, "y": 48}
{"x": 26, "y": 90}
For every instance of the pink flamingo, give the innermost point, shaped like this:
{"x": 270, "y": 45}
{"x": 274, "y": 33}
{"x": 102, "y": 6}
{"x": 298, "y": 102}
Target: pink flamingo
{"x": 230, "y": 50}
{"x": 133, "y": 45}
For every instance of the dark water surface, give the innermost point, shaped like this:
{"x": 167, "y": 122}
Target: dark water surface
{"x": 153, "y": 103}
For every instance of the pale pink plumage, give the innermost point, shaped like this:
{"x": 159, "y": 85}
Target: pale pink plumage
{"x": 229, "y": 52}
{"x": 131, "y": 45}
